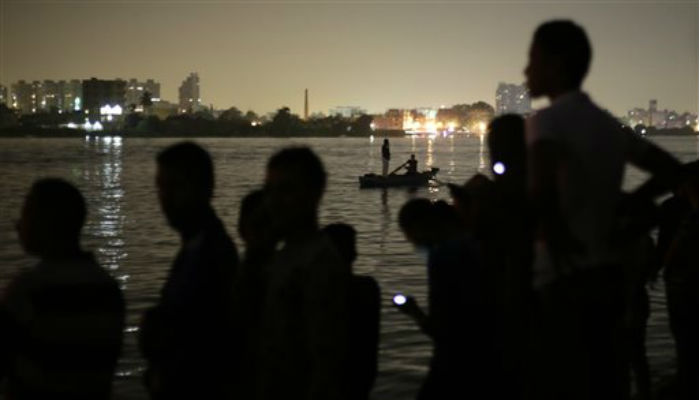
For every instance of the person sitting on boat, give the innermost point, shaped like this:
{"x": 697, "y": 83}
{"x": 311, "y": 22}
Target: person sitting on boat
{"x": 411, "y": 165}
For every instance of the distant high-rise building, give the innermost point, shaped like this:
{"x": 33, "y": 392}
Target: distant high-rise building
{"x": 660, "y": 119}
{"x": 104, "y": 97}
{"x": 49, "y": 95}
{"x": 3, "y": 95}
{"x": 135, "y": 90}
{"x": 306, "y": 104}
{"x": 23, "y": 97}
{"x": 46, "y": 96}
{"x": 512, "y": 99}
{"x": 72, "y": 95}
{"x": 189, "y": 94}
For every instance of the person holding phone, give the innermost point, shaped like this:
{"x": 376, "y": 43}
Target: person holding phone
{"x": 460, "y": 318}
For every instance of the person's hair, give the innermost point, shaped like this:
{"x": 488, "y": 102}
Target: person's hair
{"x": 57, "y": 206}
{"x": 568, "y": 42}
{"x": 506, "y": 139}
{"x": 386, "y": 141}
{"x": 191, "y": 163}
{"x": 304, "y": 163}
{"x": 343, "y": 237}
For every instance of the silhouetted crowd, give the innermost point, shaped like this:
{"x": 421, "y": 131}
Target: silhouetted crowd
{"x": 536, "y": 277}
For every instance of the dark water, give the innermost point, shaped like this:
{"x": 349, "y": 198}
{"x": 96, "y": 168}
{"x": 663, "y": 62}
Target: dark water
{"x": 130, "y": 238}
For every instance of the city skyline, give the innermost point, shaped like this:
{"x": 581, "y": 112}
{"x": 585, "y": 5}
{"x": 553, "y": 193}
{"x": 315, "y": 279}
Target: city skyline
{"x": 391, "y": 55}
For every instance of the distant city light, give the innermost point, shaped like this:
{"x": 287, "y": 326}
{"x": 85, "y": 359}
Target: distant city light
{"x": 499, "y": 168}
{"x": 111, "y": 110}
{"x": 482, "y": 127}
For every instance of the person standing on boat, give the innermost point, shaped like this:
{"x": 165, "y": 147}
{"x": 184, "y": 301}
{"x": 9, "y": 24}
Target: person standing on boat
{"x": 386, "y": 156}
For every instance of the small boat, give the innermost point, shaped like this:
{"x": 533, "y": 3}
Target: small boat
{"x": 394, "y": 180}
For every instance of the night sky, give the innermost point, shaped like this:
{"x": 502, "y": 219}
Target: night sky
{"x": 261, "y": 55}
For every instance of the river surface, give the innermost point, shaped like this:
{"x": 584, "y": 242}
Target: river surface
{"x": 130, "y": 238}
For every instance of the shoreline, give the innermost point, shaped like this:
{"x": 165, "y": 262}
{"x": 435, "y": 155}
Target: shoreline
{"x": 42, "y": 133}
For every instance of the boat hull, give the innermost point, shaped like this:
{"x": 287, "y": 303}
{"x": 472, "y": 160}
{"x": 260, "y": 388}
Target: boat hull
{"x": 379, "y": 181}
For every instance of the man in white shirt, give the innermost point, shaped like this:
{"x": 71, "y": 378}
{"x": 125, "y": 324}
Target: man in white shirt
{"x": 577, "y": 154}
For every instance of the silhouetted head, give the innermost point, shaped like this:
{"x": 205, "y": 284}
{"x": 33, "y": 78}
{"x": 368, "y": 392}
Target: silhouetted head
{"x": 386, "y": 142}
{"x": 559, "y": 57}
{"x": 415, "y": 221}
{"x": 52, "y": 218}
{"x": 413, "y": 156}
{"x": 425, "y": 223}
{"x": 343, "y": 237}
{"x": 253, "y": 219}
{"x": 506, "y": 141}
{"x": 185, "y": 181}
{"x": 294, "y": 186}
{"x": 474, "y": 202}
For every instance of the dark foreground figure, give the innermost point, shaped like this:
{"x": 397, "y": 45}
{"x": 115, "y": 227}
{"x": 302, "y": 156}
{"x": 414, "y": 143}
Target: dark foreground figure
{"x": 678, "y": 250}
{"x": 62, "y": 320}
{"x": 463, "y": 316}
{"x": 304, "y": 314}
{"x": 188, "y": 337}
{"x": 577, "y": 154}
{"x": 364, "y": 305}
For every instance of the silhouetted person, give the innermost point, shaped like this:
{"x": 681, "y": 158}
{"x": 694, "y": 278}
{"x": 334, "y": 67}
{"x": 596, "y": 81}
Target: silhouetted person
{"x": 254, "y": 227}
{"x": 186, "y": 338}
{"x": 577, "y": 153}
{"x": 364, "y": 303}
{"x": 304, "y": 315}
{"x": 386, "y": 157}
{"x": 506, "y": 143}
{"x": 63, "y": 319}
{"x": 636, "y": 218}
{"x": 462, "y": 317}
{"x": 509, "y": 246}
{"x": 678, "y": 246}
{"x": 412, "y": 165}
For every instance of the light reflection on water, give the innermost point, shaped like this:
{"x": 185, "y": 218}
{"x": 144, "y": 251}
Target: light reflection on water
{"x": 128, "y": 234}
{"x": 482, "y": 154}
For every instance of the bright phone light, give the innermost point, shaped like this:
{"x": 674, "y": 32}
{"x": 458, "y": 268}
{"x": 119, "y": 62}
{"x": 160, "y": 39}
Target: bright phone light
{"x": 399, "y": 299}
{"x": 499, "y": 168}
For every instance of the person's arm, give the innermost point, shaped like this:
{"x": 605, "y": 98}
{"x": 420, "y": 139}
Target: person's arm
{"x": 664, "y": 168}
{"x": 413, "y": 310}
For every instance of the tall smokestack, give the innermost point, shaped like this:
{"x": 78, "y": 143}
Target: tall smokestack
{"x": 306, "y": 104}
